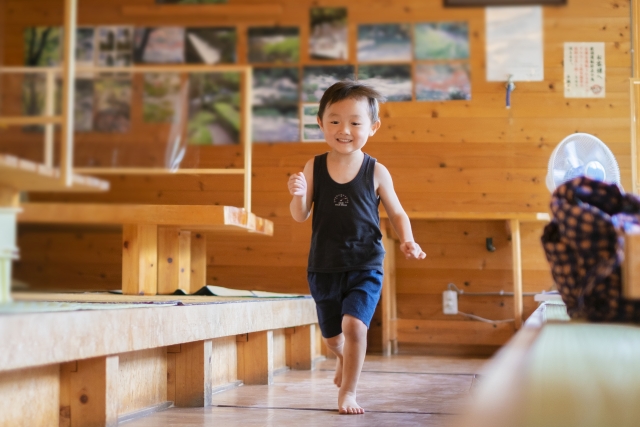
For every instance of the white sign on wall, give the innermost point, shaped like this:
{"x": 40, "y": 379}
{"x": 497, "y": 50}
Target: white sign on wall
{"x": 584, "y": 71}
{"x": 514, "y": 43}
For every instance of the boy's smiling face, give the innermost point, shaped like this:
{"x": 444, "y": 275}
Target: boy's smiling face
{"x": 347, "y": 126}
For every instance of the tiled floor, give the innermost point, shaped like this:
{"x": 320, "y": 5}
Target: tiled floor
{"x": 398, "y": 390}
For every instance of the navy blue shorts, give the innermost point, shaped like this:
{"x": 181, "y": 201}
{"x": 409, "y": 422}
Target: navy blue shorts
{"x": 355, "y": 293}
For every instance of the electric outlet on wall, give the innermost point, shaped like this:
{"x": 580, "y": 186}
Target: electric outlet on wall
{"x": 450, "y": 302}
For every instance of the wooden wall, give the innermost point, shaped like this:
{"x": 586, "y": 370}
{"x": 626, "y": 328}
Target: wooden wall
{"x": 444, "y": 156}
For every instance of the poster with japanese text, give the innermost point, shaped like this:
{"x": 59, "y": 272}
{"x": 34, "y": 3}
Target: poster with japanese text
{"x": 584, "y": 70}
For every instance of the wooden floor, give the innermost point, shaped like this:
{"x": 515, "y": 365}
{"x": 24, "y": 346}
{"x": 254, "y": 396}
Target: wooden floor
{"x": 402, "y": 390}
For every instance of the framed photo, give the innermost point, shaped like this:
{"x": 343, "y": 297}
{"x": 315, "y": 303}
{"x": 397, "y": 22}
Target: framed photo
{"x": 393, "y": 81}
{"x": 310, "y": 130}
{"x": 328, "y": 37}
{"x": 274, "y": 45}
{"x": 443, "y": 82}
{"x": 384, "y": 43}
{"x": 317, "y": 79}
{"x": 210, "y": 45}
{"x": 441, "y": 40}
{"x": 276, "y": 123}
{"x": 159, "y": 45}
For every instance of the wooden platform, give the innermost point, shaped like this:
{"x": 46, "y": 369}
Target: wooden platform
{"x": 30, "y": 176}
{"x": 94, "y": 367}
{"x": 561, "y": 373}
{"x": 164, "y": 246}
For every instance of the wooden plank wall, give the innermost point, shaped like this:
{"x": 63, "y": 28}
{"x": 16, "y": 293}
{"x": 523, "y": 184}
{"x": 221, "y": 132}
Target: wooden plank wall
{"x": 444, "y": 156}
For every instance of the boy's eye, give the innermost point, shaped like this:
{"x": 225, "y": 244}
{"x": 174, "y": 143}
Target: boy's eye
{"x": 334, "y": 122}
{"x": 355, "y": 124}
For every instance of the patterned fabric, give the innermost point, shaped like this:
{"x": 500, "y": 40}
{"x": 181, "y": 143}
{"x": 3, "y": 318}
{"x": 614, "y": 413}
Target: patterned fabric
{"x": 584, "y": 246}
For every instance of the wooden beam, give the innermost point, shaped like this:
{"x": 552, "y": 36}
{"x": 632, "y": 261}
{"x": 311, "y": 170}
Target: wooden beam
{"x": 255, "y": 357}
{"x": 94, "y": 392}
{"x": 29, "y": 120}
{"x": 224, "y": 362}
{"x": 516, "y": 252}
{"x": 193, "y": 374}
{"x": 247, "y": 132}
{"x": 198, "y": 262}
{"x": 156, "y": 171}
{"x": 301, "y": 343}
{"x": 30, "y": 397}
{"x": 139, "y": 259}
{"x": 230, "y": 10}
{"x": 522, "y": 216}
{"x": 635, "y": 38}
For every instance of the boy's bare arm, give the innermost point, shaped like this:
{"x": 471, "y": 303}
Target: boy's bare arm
{"x": 398, "y": 217}
{"x": 301, "y": 188}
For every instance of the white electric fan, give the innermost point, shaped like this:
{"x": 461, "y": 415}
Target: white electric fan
{"x": 581, "y": 154}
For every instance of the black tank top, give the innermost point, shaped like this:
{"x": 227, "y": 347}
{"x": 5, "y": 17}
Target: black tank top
{"x": 346, "y": 221}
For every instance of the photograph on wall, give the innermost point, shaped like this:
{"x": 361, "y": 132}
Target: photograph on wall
{"x": 160, "y": 97}
{"x": 317, "y": 79}
{"x": 274, "y": 45}
{"x": 276, "y": 123}
{"x": 158, "y": 45}
{"x": 328, "y": 36}
{"x": 42, "y": 46}
{"x": 190, "y": 1}
{"x": 83, "y": 107}
{"x": 392, "y": 81}
{"x": 384, "y": 42}
{"x": 112, "y": 105}
{"x": 277, "y": 85}
{"x": 115, "y": 46}
{"x": 443, "y": 82}
{"x": 214, "y": 109}
{"x": 210, "y": 45}
{"x": 441, "y": 40}
{"x": 310, "y": 131}
{"x": 275, "y": 104}
{"x": 85, "y": 46}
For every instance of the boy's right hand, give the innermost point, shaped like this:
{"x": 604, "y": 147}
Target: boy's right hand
{"x": 298, "y": 184}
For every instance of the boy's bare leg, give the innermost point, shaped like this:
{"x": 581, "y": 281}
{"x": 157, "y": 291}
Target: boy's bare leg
{"x": 355, "y": 347}
{"x": 336, "y": 345}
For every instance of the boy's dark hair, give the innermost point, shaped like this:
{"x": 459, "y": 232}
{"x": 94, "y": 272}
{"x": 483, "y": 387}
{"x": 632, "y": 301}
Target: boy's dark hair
{"x": 348, "y": 89}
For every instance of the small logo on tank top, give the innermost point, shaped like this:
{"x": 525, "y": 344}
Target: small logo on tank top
{"x": 341, "y": 200}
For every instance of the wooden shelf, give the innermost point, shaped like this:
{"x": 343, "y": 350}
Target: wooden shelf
{"x": 521, "y": 216}
{"x": 186, "y": 217}
{"x": 25, "y": 175}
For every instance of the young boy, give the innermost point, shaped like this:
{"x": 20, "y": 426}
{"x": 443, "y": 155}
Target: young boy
{"x": 345, "y": 187}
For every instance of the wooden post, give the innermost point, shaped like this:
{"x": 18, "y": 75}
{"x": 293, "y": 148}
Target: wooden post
{"x": 93, "y": 392}
{"x": 517, "y": 271}
{"x": 30, "y": 397}
{"x": 198, "y": 262}
{"x": 631, "y": 266}
{"x": 247, "y": 101}
{"x": 168, "y": 259}
{"x": 301, "y": 346}
{"x": 184, "y": 261}
{"x": 193, "y": 374}
{"x": 255, "y": 357}
{"x": 68, "y": 91}
{"x": 139, "y": 259}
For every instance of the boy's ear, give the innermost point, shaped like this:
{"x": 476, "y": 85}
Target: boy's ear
{"x": 319, "y": 122}
{"x": 374, "y": 127}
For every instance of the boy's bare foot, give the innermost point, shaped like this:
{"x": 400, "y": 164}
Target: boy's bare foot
{"x": 347, "y": 404}
{"x": 337, "y": 380}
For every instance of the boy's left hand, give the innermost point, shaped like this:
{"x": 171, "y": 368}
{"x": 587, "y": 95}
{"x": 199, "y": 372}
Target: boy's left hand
{"x": 412, "y": 250}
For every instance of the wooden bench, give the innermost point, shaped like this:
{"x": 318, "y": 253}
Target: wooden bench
{"x": 98, "y": 367}
{"x": 393, "y": 328}
{"x": 556, "y": 372}
{"x": 163, "y": 246}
